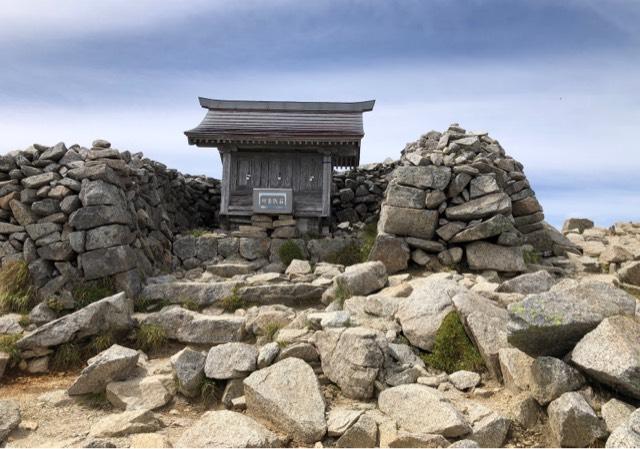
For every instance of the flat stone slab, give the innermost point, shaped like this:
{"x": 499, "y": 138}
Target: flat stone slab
{"x": 202, "y": 293}
{"x": 187, "y": 326}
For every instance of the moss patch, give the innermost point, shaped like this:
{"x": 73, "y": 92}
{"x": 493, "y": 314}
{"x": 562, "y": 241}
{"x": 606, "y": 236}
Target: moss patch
{"x": 17, "y": 293}
{"x": 531, "y": 257}
{"x": 453, "y": 350}
{"x": 289, "y": 251}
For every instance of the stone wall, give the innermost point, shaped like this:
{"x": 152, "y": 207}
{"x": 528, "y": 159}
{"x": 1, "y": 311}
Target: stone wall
{"x": 358, "y": 193}
{"x": 457, "y": 197}
{"x": 82, "y": 213}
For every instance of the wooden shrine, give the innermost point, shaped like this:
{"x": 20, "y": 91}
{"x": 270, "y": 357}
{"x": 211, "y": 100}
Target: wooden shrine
{"x": 278, "y": 156}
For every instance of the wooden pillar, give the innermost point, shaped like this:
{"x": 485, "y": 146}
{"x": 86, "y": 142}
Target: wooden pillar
{"x": 326, "y": 185}
{"x": 225, "y": 187}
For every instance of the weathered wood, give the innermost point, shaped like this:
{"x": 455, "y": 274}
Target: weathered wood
{"x": 326, "y": 185}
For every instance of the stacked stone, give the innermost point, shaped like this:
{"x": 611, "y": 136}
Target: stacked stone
{"x": 79, "y": 213}
{"x": 458, "y": 193}
{"x": 358, "y": 193}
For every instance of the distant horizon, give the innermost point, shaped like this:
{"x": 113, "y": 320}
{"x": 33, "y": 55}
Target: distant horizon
{"x": 557, "y": 83}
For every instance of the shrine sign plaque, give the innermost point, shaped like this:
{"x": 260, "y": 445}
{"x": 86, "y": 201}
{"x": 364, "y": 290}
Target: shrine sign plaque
{"x": 272, "y": 201}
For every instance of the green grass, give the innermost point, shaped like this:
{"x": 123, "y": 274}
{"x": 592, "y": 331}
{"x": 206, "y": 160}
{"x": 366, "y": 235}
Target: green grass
{"x": 453, "y": 350}
{"x": 356, "y": 252}
{"x": 271, "y": 330}
{"x": 8, "y": 345}
{"x": 233, "y": 302}
{"x": 142, "y": 305}
{"x": 92, "y": 291}
{"x": 66, "y": 357}
{"x": 24, "y": 320}
{"x": 150, "y": 337}
{"x": 209, "y": 391}
{"x": 289, "y": 251}
{"x": 101, "y": 342}
{"x": 17, "y": 293}
{"x": 342, "y": 293}
{"x": 95, "y": 400}
{"x": 189, "y": 304}
{"x": 199, "y": 232}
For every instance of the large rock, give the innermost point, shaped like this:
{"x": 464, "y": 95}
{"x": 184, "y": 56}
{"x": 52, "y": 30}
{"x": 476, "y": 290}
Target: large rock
{"x": 487, "y": 256}
{"x": 115, "y": 363}
{"x": 202, "y": 293}
{"x": 404, "y": 403}
{"x": 97, "y": 193}
{"x": 287, "y": 395}
{"x": 405, "y": 221}
{"x": 630, "y": 273}
{"x": 9, "y": 418}
{"x": 611, "y": 354}
{"x": 352, "y": 358}
{"x": 573, "y": 422}
{"x": 492, "y": 227}
{"x": 224, "y": 428}
{"x": 628, "y": 434}
{"x": 109, "y": 314}
{"x": 538, "y": 282}
{"x": 485, "y": 323}
{"x": 125, "y": 423}
{"x": 191, "y": 327}
{"x": 483, "y": 207}
{"x": 230, "y": 360}
{"x": 402, "y": 196}
{"x": 188, "y": 366}
{"x": 106, "y": 236}
{"x": 392, "y": 251}
{"x": 107, "y": 261}
{"x": 552, "y": 323}
{"x": 142, "y": 393}
{"x": 551, "y": 377}
{"x": 94, "y": 216}
{"x": 421, "y": 313}
{"x": 362, "y": 279}
{"x": 429, "y": 177}
{"x": 576, "y": 225}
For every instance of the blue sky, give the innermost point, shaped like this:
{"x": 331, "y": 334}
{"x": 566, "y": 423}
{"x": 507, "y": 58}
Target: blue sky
{"x": 557, "y": 82}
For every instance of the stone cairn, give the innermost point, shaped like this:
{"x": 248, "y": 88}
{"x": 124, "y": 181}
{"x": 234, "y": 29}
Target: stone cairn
{"x": 79, "y": 213}
{"x": 457, "y": 193}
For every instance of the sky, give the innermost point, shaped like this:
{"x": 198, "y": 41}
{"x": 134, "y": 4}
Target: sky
{"x": 556, "y": 82}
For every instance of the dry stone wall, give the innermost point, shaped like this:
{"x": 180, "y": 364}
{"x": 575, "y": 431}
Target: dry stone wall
{"x": 457, "y": 196}
{"x": 357, "y": 194}
{"x": 79, "y": 213}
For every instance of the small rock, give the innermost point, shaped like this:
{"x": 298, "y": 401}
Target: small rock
{"x": 230, "y": 360}
{"x": 464, "y": 380}
{"x": 364, "y": 433}
{"x": 615, "y": 413}
{"x": 115, "y": 363}
{"x": 126, "y": 423}
{"x": 573, "y": 422}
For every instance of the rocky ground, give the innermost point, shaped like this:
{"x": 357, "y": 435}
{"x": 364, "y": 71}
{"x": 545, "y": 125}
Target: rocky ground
{"x": 331, "y": 356}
